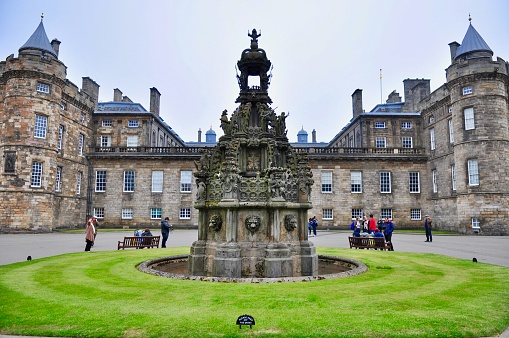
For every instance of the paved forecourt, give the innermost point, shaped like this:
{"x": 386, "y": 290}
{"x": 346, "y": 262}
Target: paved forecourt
{"x": 487, "y": 249}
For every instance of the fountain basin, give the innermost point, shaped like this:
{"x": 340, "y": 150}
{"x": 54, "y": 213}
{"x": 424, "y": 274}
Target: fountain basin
{"x": 329, "y": 267}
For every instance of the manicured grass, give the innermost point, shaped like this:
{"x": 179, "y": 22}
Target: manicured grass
{"x": 101, "y": 294}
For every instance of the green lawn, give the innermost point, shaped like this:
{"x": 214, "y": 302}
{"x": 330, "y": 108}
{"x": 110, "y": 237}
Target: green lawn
{"x": 101, "y": 294}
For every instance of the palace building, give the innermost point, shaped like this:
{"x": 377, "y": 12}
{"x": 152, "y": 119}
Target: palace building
{"x": 64, "y": 156}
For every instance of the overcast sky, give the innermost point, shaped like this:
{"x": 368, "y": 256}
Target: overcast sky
{"x": 321, "y": 51}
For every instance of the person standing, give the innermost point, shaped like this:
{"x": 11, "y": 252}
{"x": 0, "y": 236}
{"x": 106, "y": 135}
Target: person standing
{"x": 310, "y": 226}
{"x": 165, "y": 231}
{"x": 372, "y": 224}
{"x": 427, "y": 227}
{"x": 365, "y": 223}
{"x": 389, "y": 228}
{"x": 89, "y": 234}
{"x": 314, "y": 224}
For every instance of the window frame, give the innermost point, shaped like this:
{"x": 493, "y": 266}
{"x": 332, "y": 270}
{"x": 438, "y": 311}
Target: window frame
{"x": 356, "y": 182}
{"x": 60, "y": 139}
{"x": 475, "y": 223}
{"x": 453, "y": 177}
{"x": 58, "y": 179}
{"x": 451, "y": 131}
{"x": 469, "y": 117}
{"x": 473, "y": 172}
{"x": 326, "y": 181}
{"x": 105, "y": 141}
{"x": 406, "y": 125}
{"x": 185, "y": 213}
{"x": 327, "y": 214}
{"x": 385, "y": 182}
{"x": 432, "y": 139}
{"x": 40, "y": 126}
{"x": 186, "y": 181}
{"x": 127, "y": 213}
{"x": 434, "y": 180}
{"x": 106, "y": 123}
{"x": 133, "y": 123}
{"x": 414, "y": 182}
{"x": 129, "y": 181}
{"x": 100, "y": 180}
{"x": 381, "y": 142}
{"x": 467, "y": 90}
{"x": 356, "y": 212}
{"x": 156, "y": 213}
{"x": 99, "y": 212}
{"x": 81, "y": 144}
{"x": 79, "y": 177}
{"x": 379, "y": 124}
{"x": 405, "y": 144}
{"x": 132, "y": 141}
{"x": 386, "y": 213}
{"x": 36, "y": 175}
{"x": 157, "y": 180}
{"x": 415, "y": 214}
{"x": 43, "y": 88}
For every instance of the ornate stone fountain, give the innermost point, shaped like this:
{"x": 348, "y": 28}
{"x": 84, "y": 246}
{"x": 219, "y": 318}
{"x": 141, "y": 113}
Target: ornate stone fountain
{"x": 253, "y": 190}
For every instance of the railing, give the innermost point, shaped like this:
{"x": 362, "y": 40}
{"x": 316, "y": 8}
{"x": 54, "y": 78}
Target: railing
{"x": 360, "y": 151}
{"x": 150, "y": 150}
{"x": 308, "y": 150}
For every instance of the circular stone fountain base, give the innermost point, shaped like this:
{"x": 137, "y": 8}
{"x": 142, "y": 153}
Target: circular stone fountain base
{"x": 329, "y": 267}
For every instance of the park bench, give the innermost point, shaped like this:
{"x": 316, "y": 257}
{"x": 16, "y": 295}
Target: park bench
{"x": 377, "y": 243}
{"x": 139, "y": 242}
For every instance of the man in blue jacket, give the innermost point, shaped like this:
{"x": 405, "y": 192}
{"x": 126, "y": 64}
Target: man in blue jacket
{"x": 389, "y": 228}
{"x": 165, "y": 231}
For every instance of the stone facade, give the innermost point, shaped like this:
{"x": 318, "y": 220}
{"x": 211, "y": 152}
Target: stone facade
{"x": 452, "y": 143}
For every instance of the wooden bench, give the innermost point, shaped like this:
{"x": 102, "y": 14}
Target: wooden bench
{"x": 377, "y": 243}
{"x": 139, "y": 242}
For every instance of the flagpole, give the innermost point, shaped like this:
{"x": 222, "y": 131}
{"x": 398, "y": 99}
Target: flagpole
{"x": 380, "y": 85}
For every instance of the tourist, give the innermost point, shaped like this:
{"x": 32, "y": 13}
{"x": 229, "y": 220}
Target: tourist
{"x": 372, "y": 224}
{"x": 89, "y": 234}
{"x": 378, "y": 233}
{"x": 388, "y": 229}
{"x": 427, "y": 227}
{"x": 357, "y": 232}
{"x": 165, "y": 231}
{"x": 310, "y": 226}
{"x": 365, "y": 223}
{"x": 146, "y": 232}
{"x": 314, "y": 224}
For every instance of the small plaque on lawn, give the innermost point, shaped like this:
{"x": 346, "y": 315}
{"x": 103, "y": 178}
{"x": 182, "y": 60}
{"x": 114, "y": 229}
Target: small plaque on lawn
{"x": 245, "y": 320}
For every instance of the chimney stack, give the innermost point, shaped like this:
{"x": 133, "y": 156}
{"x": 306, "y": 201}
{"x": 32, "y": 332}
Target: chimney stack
{"x": 199, "y": 135}
{"x": 90, "y": 87}
{"x": 117, "y": 95}
{"x": 357, "y": 102}
{"x": 155, "y": 98}
{"x": 453, "y": 46}
{"x": 56, "y": 46}
{"x": 313, "y": 136}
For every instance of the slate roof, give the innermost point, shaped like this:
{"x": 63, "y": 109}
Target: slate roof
{"x": 39, "y": 40}
{"x": 472, "y": 42}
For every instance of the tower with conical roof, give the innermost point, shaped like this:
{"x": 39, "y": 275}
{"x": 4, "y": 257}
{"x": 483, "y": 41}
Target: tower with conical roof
{"x": 253, "y": 189}
{"x": 44, "y": 131}
{"x": 468, "y": 130}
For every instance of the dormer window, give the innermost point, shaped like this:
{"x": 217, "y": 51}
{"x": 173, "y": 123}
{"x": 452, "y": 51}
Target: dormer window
{"x": 132, "y": 124}
{"x": 379, "y": 125}
{"x": 467, "y": 90}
